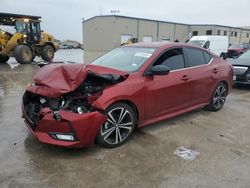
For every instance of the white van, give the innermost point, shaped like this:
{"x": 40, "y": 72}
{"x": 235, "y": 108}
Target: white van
{"x": 216, "y": 44}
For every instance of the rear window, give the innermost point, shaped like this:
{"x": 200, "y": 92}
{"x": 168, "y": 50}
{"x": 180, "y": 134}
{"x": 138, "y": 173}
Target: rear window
{"x": 195, "y": 57}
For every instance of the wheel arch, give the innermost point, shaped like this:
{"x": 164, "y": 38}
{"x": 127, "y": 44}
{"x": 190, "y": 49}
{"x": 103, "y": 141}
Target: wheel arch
{"x": 226, "y": 83}
{"x": 131, "y": 104}
{"x": 103, "y": 106}
{"x": 51, "y": 44}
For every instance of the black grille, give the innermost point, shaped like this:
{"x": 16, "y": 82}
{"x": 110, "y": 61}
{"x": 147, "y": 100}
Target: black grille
{"x": 31, "y": 109}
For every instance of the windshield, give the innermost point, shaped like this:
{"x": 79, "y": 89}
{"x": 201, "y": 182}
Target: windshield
{"x": 20, "y": 27}
{"x": 245, "y": 55}
{"x": 128, "y": 59}
{"x": 197, "y": 42}
{"x": 236, "y": 46}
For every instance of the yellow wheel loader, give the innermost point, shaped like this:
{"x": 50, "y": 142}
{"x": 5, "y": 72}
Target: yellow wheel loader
{"x": 27, "y": 41}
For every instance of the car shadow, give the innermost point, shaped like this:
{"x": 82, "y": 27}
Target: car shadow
{"x": 183, "y": 118}
{"x": 33, "y": 147}
{"x": 242, "y": 86}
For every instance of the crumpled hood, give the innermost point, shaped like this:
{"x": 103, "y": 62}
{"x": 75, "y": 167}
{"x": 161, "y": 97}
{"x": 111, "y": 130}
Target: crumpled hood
{"x": 56, "y": 79}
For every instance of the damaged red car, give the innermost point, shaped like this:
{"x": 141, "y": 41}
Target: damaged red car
{"x": 77, "y": 105}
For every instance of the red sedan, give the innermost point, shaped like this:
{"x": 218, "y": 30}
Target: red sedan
{"x": 76, "y": 105}
{"x": 235, "y": 50}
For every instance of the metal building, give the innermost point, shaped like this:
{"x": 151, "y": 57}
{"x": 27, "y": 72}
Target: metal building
{"x": 103, "y": 33}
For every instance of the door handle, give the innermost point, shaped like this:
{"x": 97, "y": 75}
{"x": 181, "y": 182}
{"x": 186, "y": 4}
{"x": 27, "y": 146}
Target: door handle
{"x": 215, "y": 70}
{"x": 185, "y": 77}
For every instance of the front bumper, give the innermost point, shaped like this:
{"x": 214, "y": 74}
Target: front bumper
{"x": 242, "y": 79}
{"x": 84, "y": 128}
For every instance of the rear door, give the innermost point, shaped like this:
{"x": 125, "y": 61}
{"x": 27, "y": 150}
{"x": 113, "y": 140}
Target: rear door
{"x": 167, "y": 93}
{"x": 203, "y": 74}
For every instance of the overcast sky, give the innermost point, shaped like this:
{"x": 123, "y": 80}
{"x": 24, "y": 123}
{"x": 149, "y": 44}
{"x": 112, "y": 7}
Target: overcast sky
{"x": 62, "y": 18}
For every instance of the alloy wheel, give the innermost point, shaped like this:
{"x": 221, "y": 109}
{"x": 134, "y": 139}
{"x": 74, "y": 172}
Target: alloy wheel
{"x": 118, "y": 126}
{"x": 219, "y": 96}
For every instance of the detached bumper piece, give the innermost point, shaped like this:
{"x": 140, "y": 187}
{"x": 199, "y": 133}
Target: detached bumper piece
{"x": 70, "y": 130}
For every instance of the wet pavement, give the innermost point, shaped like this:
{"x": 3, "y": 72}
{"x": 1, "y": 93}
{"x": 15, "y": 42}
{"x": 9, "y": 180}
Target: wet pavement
{"x": 147, "y": 160}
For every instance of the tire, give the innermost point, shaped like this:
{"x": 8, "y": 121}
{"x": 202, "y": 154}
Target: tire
{"x": 112, "y": 133}
{"x": 47, "y": 53}
{"x": 23, "y": 54}
{"x": 219, "y": 97}
{"x": 4, "y": 58}
{"x": 33, "y": 57}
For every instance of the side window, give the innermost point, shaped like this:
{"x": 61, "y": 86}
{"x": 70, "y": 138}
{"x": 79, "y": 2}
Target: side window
{"x": 208, "y": 57}
{"x": 195, "y": 57}
{"x": 174, "y": 59}
{"x": 207, "y": 44}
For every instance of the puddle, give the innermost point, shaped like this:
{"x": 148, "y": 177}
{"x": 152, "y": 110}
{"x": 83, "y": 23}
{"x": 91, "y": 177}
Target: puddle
{"x": 186, "y": 153}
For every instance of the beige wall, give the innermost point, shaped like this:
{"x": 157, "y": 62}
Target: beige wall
{"x": 203, "y": 29}
{"x": 240, "y": 38}
{"x": 147, "y": 28}
{"x": 244, "y": 37}
{"x": 103, "y": 33}
{"x": 182, "y": 32}
{"x": 166, "y": 30}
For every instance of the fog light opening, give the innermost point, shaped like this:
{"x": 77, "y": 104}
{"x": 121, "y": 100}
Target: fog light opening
{"x": 63, "y": 136}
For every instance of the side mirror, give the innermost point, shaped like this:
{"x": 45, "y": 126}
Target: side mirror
{"x": 159, "y": 70}
{"x": 223, "y": 55}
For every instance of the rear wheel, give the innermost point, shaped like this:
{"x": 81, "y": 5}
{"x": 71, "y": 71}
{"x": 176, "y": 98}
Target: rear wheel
{"x": 23, "y": 54}
{"x": 47, "y": 53}
{"x": 218, "y": 98}
{"x": 4, "y": 58}
{"x": 118, "y": 127}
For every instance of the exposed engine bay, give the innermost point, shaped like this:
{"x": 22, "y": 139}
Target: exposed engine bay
{"x": 78, "y": 101}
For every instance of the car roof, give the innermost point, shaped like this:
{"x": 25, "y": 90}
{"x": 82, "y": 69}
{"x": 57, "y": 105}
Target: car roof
{"x": 162, "y": 45}
{"x": 150, "y": 44}
{"x": 165, "y": 45}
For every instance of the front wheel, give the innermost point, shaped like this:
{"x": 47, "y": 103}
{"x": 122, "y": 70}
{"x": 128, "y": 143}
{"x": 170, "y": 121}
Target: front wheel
{"x": 118, "y": 127}
{"x": 23, "y": 54}
{"x": 218, "y": 98}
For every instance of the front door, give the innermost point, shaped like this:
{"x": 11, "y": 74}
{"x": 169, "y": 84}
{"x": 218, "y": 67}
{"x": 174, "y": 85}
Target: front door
{"x": 168, "y": 93}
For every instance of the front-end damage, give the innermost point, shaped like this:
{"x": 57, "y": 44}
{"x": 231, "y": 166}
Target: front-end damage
{"x": 67, "y": 117}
